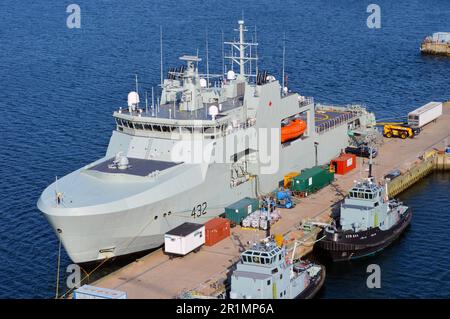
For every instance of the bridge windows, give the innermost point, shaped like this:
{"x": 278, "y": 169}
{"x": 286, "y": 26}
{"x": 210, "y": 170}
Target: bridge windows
{"x": 362, "y": 194}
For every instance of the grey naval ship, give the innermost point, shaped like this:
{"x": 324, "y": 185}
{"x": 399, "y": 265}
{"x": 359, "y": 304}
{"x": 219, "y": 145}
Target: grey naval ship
{"x": 368, "y": 222}
{"x": 207, "y": 142}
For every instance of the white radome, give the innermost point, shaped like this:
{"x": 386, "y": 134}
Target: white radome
{"x": 231, "y": 75}
{"x": 133, "y": 98}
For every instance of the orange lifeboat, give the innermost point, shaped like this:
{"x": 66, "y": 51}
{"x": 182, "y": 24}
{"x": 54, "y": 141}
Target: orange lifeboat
{"x": 292, "y": 130}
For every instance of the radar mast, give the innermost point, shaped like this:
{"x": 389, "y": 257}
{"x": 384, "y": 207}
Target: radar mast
{"x": 241, "y": 59}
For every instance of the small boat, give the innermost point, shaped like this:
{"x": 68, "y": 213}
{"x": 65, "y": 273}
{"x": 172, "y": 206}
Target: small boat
{"x": 368, "y": 222}
{"x": 266, "y": 272}
{"x": 292, "y": 130}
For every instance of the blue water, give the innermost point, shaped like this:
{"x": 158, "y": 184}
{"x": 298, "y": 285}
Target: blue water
{"x": 59, "y": 87}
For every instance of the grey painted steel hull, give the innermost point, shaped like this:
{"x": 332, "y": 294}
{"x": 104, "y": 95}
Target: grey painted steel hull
{"x": 118, "y": 231}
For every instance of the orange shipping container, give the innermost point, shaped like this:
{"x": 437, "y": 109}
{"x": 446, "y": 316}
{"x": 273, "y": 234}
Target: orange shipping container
{"x": 343, "y": 164}
{"x": 216, "y": 230}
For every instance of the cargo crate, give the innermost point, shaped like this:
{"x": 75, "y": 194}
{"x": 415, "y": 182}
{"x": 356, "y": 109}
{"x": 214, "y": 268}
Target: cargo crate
{"x": 343, "y": 164}
{"x": 93, "y": 292}
{"x": 216, "y": 230}
{"x": 237, "y": 211}
{"x": 312, "y": 179}
{"x": 183, "y": 239}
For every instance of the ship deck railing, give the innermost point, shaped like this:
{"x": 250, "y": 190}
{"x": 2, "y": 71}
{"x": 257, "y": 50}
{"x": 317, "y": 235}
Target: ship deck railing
{"x": 305, "y": 101}
{"x": 338, "y": 116}
{"x": 177, "y": 131}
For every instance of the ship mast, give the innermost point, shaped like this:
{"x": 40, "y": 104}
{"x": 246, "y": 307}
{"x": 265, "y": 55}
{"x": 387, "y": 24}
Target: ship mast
{"x": 241, "y": 46}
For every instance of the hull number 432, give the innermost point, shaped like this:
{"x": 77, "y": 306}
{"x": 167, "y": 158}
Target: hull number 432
{"x": 199, "y": 210}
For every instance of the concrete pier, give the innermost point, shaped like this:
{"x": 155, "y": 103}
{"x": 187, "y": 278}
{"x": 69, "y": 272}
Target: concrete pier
{"x": 430, "y": 161}
{"x": 156, "y": 276}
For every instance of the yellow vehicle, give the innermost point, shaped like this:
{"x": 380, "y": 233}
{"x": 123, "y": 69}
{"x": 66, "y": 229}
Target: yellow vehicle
{"x": 391, "y": 130}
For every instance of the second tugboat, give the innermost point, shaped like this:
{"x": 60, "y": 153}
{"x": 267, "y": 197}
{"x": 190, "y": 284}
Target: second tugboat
{"x": 368, "y": 223}
{"x": 266, "y": 272}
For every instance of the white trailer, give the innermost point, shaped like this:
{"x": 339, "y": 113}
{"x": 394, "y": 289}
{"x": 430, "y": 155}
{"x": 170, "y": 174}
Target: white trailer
{"x": 183, "y": 239}
{"x": 424, "y": 114}
{"x": 93, "y": 292}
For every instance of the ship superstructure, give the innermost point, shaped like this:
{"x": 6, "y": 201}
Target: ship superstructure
{"x": 202, "y": 146}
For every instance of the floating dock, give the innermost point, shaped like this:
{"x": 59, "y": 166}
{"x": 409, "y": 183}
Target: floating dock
{"x": 204, "y": 273}
{"x": 437, "y": 44}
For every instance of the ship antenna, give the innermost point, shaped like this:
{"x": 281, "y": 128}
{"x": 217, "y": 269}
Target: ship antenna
{"x": 153, "y": 101}
{"x": 146, "y": 101}
{"x": 284, "y": 58}
{"x": 196, "y": 64}
{"x": 161, "y": 51}
{"x": 223, "y": 55}
{"x": 137, "y": 87}
{"x": 207, "y": 61}
{"x": 241, "y": 45}
{"x": 256, "y": 53}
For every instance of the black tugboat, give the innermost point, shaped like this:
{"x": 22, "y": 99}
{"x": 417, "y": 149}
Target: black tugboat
{"x": 368, "y": 222}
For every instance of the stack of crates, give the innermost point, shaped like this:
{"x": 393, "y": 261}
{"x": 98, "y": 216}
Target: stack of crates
{"x": 237, "y": 211}
{"x": 312, "y": 179}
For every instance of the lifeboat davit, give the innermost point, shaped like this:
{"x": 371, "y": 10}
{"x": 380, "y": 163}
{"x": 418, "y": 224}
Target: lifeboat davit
{"x": 292, "y": 130}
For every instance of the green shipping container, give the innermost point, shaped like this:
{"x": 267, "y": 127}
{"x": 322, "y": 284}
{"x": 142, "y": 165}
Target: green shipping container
{"x": 236, "y": 212}
{"x": 312, "y": 179}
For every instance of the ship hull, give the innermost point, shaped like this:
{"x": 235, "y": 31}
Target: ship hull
{"x": 314, "y": 286}
{"x": 93, "y": 237}
{"x": 362, "y": 244}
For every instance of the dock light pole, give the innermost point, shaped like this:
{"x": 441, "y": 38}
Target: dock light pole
{"x": 315, "y": 150}
{"x": 269, "y": 207}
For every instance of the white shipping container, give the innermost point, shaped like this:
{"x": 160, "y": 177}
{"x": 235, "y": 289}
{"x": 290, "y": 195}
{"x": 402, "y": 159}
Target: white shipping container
{"x": 424, "y": 114}
{"x": 184, "y": 238}
{"x": 92, "y": 292}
